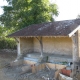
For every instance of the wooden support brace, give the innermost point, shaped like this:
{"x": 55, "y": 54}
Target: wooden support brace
{"x": 16, "y": 40}
{"x": 41, "y": 45}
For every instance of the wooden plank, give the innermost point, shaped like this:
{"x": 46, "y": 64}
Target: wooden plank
{"x": 37, "y": 68}
{"x": 33, "y": 69}
{"x": 29, "y": 62}
{"x": 55, "y": 66}
{"x": 58, "y": 66}
{"x": 50, "y": 65}
{"x": 43, "y": 66}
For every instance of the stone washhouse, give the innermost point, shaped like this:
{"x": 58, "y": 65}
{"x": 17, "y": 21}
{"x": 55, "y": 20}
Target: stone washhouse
{"x": 60, "y": 39}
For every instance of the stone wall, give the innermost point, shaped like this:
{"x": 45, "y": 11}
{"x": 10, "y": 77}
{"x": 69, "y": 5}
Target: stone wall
{"x": 79, "y": 42}
{"x": 37, "y": 47}
{"x": 59, "y": 45}
{"x": 26, "y": 45}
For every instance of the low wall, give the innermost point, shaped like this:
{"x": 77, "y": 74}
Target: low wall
{"x": 38, "y": 66}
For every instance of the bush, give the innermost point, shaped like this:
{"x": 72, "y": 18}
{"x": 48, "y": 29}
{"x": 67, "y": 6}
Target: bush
{"x": 7, "y": 43}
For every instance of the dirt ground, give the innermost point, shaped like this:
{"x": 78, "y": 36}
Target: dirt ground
{"x": 5, "y": 58}
{"x": 6, "y": 71}
{"x": 14, "y": 73}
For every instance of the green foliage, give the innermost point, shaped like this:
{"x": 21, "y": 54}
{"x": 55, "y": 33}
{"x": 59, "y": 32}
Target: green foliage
{"x": 19, "y": 14}
{"x": 1, "y": 30}
{"x": 23, "y": 13}
{"x": 4, "y": 31}
{"x": 6, "y": 43}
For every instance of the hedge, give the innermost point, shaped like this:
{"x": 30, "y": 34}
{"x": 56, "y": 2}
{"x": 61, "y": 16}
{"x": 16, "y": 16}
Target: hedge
{"x": 7, "y": 43}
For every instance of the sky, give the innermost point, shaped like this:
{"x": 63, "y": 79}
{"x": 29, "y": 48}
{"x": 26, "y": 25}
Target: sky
{"x": 2, "y": 3}
{"x": 68, "y": 9}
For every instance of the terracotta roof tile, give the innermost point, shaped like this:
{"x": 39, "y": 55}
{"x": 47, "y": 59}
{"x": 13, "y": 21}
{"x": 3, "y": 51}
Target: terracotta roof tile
{"x": 57, "y": 28}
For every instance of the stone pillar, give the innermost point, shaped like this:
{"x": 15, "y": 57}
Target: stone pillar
{"x": 79, "y": 42}
{"x": 75, "y": 52}
{"x": 18, "y": 47}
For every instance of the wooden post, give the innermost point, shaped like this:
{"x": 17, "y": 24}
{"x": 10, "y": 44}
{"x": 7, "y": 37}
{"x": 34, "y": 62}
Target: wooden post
{"x": 41, "y": 45}
{"x": 75, "y": 53}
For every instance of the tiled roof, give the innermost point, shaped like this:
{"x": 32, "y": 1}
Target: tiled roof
{"x": 57, "y": 28}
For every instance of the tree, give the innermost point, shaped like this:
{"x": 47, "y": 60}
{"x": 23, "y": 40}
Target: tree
{"x": 6, "y": 43}
{"x": 78, "y": 17}
{"x": 20, "y": 13}
{"x": 2, "y": 31}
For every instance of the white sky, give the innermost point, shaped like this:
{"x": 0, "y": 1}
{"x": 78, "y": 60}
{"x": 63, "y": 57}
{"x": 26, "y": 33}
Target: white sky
{"x": 68, "y": 9}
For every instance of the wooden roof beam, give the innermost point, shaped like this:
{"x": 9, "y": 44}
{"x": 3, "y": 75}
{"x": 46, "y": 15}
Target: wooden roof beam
{"x": 74, "y": 31}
